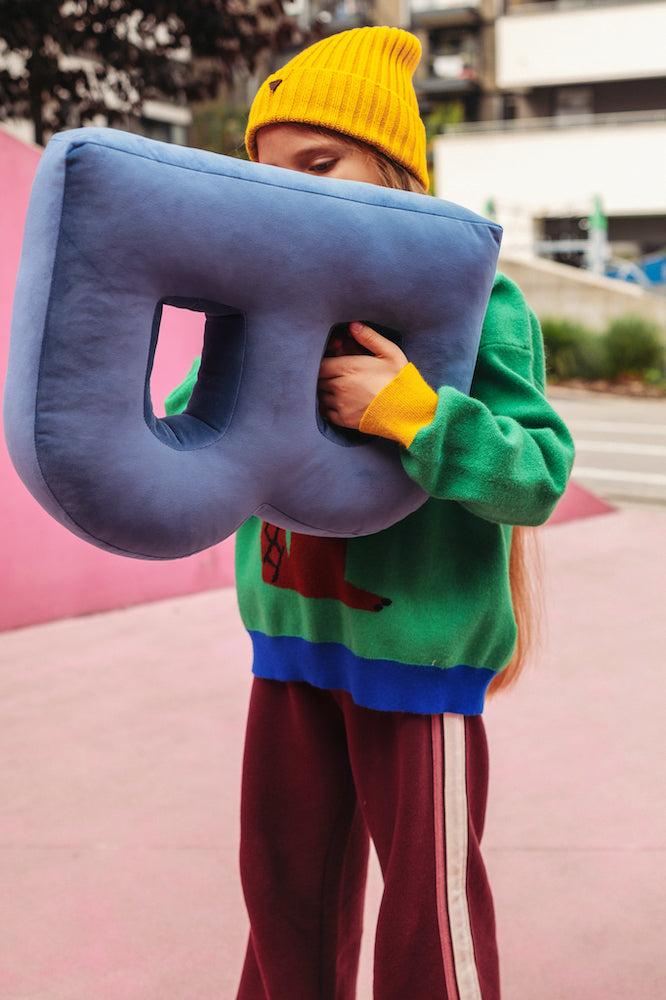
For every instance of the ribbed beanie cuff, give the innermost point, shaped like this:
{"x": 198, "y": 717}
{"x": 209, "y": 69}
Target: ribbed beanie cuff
{"x": 358, "y": 82}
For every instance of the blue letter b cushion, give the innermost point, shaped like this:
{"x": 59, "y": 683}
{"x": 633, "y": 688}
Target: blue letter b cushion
{"x": 118, "y": 226}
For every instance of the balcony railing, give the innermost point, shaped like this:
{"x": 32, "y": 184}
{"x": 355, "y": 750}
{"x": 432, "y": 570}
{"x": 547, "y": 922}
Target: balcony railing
{"x": 433, "y": 6}
{"x": 440, "y": 13}
{"x": 561, "y": 122}
{"x": 543, "y": 6}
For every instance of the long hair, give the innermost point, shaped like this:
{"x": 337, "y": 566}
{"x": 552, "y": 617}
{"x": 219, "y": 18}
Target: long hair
{"x": 525, "y": 580}
{"x": 525, "y": 560}
{"x": 394, "y": 175}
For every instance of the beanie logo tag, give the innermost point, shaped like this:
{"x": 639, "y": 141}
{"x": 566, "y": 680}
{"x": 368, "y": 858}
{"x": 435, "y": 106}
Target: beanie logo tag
{"x": 274, "y": 84}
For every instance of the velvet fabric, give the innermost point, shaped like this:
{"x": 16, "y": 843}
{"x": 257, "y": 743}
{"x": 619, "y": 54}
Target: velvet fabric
{"x": 118, "y": 225}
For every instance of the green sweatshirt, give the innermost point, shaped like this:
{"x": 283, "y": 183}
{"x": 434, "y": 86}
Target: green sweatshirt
{"x": 419, "y": 617}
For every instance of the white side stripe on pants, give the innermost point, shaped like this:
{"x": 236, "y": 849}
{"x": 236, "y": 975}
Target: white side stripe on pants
{"x": 451, "y": 843}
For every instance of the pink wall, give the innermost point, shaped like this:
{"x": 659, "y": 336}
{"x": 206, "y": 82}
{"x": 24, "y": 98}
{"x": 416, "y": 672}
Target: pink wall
{"x": 48, "y": 573}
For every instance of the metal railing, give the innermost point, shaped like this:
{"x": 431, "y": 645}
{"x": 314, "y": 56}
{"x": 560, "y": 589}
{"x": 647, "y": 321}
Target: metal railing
{"x": 560, "y": 122}
{"x": 542, "y": 6}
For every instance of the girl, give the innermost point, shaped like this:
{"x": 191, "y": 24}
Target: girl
{"x": 372, "y": 655}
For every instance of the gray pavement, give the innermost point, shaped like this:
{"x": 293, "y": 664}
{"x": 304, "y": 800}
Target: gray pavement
{"x": 620, "y": 443}
{"x": 121, "y": 738}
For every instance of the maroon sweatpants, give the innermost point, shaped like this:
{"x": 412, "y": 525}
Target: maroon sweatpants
{"x": 322, "y": 775}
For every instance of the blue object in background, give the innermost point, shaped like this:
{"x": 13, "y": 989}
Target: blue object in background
{"x": 117, "y": 227}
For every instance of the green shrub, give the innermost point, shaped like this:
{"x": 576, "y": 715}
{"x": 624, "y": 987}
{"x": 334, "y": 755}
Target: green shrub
{"x": 634, "y": 346}
{"x": 572, "y": 350}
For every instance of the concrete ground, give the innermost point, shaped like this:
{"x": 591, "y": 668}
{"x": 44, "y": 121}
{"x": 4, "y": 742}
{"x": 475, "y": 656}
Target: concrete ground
{"x": 121, "y": 738}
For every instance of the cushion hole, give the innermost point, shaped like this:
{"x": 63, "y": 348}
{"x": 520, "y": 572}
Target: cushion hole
{"x": 211, "y": 405}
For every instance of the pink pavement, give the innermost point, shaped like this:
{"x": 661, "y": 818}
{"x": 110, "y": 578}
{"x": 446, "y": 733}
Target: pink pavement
{"x": 121, "y": 736}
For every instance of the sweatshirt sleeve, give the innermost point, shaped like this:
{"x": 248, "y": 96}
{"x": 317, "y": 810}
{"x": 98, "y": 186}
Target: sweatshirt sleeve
{"x": 178, "y": 398}
{"x": 502, "y": 452}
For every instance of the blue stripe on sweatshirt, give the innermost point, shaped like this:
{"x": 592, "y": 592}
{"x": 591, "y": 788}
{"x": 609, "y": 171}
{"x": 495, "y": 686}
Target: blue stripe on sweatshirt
{"x": 381, "y": 684}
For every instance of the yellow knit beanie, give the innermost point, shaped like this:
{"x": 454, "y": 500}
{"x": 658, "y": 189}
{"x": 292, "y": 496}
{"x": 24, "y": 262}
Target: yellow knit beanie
{"x": 358, "y": 82}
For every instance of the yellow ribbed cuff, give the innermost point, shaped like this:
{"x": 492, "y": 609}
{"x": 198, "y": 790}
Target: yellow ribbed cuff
{"x": 402, "y": 408}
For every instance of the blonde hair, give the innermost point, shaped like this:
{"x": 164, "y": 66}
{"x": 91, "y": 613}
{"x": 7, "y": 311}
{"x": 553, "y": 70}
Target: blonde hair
{"x": 525, "y": 580}
{"x": 394, "y": 175}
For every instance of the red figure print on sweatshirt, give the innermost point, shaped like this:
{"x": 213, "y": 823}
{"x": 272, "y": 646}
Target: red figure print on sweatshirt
{"x": 313, "y": 567}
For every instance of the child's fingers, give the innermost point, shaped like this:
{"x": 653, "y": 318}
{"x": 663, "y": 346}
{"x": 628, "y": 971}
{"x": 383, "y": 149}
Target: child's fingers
{"x": 380, "y": 346}
{"x": 332, "y": 367}
{"x": 349, "y": 382}
{"x": 337, "y": 364}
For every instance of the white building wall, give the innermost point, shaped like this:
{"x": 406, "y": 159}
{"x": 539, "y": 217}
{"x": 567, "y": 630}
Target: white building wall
{"x": 543, "y": 48}
{"x": 547, "y": 171}
{"x": 432, "y": 5}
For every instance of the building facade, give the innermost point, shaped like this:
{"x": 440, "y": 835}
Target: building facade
{"x": 553, "y": 117}
{"x": 569, "y": 143}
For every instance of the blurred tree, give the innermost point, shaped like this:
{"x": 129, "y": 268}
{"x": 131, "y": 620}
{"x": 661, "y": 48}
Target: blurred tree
{"x": 63, "y": 62}
{"x": 219, "y": 126}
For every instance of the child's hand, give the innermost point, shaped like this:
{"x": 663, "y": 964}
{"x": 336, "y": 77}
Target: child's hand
{"x": 348, "y": 383}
